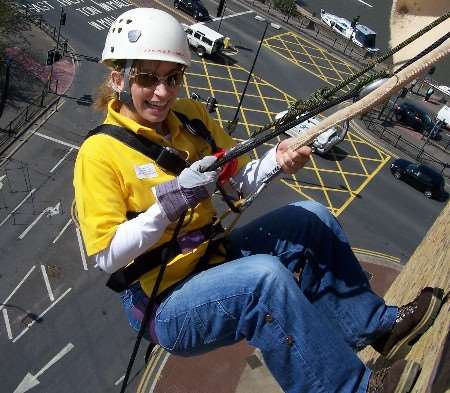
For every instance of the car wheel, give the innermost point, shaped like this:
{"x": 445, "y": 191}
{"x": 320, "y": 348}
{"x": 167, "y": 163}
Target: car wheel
{"x": 428, "y": 193}
{"x": 201, "y": 51}
{"x": 397, "y": 175}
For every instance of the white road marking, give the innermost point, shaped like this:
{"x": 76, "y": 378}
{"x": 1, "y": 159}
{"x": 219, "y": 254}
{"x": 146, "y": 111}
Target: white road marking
{"x": 50, "y": 211}
{"x": 8, "y": 326}
{"x": 62, "y": 231}
{"x": 41, "y": 315}
{"x": 233, "y": 15}
{"x": 61, "y": 160}
{"x": 1, "y": 181}
{"x": 50, "y": 138}
{"x": 17, "y": 207}
{"x": 30, "y": 380}
{"x": 47, "y": 284}
{"x": 119, "y": 380}
{"x": 367, "y": 4}
{"x": 16, "y": 288}
{"x": 80, "y": 245}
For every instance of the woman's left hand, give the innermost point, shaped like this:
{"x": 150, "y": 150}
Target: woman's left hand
{"x": 289, "y": 160}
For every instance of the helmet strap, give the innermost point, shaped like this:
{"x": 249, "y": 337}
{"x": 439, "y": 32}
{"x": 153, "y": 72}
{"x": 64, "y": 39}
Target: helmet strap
{"x": 125, "y": 93}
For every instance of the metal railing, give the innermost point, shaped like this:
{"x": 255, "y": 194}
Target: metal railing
{"x": 417, "y": 151}
{"x": 41, "y": 102}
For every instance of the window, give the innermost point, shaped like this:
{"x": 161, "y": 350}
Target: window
{"x": 198, "y": 35}
{"x": 208, "y": 41}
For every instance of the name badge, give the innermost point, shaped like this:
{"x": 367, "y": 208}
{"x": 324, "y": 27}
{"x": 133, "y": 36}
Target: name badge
{"x": 146, "y": 171}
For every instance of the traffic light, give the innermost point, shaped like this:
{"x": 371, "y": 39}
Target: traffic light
{"x": 220, "y": 7}
{"x": 211, "y": 104}
{"x": 53, "y": 56}
{"x": 62, "y": 18}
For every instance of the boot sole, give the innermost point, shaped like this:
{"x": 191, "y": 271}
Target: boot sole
{"x": 408, "y": 378}
{"x": 402, "y": 348}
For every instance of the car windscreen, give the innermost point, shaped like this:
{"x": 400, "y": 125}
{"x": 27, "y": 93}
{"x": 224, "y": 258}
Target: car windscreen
{"x": 367, "y": 40}
{"x": 428, "y": 124}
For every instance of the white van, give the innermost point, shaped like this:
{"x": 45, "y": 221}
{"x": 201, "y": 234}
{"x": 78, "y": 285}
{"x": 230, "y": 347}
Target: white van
{"x": 204, "y": 39}
{"x": 325, "y": 141}
{"x": 361, "y": 35}
{"x": 444, "y": 116}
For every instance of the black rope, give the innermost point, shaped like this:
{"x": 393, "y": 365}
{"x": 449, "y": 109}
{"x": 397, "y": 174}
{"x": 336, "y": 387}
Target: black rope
{"x": 427, "y": 50}
{"x": 165, "y": 259}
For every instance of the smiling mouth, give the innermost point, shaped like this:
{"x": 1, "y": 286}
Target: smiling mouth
{"x": 156, "y": 105}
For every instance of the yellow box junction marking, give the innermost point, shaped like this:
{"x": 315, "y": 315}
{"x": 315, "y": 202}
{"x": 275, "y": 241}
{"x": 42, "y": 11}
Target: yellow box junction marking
{"x": 310, "y": 57}
{"x": 334, "y": 181}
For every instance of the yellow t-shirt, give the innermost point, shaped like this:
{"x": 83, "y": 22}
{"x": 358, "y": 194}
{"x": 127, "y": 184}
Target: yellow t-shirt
{"x": 108, "y": 183}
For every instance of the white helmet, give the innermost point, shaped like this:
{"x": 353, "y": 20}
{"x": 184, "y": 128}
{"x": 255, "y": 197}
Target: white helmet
{"x": 146, "y": 34}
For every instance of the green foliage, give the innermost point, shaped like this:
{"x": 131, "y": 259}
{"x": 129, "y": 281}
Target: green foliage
{"x": 8, "y": 15}
{"x": 287, "y": 7}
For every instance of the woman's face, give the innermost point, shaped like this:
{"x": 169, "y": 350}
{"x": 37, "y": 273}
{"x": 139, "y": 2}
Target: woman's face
{"x": 154, "y": 89}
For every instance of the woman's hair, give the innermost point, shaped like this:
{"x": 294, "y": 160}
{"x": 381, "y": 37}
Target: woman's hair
{"x": 105, "y": 92}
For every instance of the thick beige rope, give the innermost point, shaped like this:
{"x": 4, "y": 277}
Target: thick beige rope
{"x": 378, "y": 96}
{"x": 408, "y": 17}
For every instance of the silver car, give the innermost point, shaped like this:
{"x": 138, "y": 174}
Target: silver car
{"x": 325, "y": 141}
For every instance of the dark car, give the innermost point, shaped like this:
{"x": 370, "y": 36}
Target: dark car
{"x": 427, "y": 180}
{"x": 414, "y": 117}
{"x": 194, "y": 8}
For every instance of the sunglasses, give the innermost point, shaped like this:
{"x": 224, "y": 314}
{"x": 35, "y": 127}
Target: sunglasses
{"x": 149, "y": 79}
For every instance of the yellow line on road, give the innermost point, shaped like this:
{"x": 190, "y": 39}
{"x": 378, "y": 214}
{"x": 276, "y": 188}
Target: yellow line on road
{"x": 362, "y": 186}
{"x": 376, "y": 254}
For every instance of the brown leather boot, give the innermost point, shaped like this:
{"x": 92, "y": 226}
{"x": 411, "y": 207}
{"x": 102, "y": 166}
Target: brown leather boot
{"x": 399, "y": 378}
{"x": 413, "y": 319}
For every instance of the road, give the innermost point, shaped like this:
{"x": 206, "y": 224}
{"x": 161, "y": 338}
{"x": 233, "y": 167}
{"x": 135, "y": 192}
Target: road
{"x": 375, "y": 15}
{"x": 62, "y": 331}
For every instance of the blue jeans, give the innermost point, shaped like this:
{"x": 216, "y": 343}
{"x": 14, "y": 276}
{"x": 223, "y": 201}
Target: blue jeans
{"x": 307, "y": 331}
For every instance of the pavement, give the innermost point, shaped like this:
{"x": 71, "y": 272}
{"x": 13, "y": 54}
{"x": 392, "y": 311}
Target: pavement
{"x": 238, "y": 368}
{"x": 30, "y": 75}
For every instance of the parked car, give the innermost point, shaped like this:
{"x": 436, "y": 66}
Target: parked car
{"x": 205, "y": 40}
{"x": 414, "y": 117}
{"x": 195, "y": 8}
{"x": 325, "y": 141}
{"x": 422, "y": 177}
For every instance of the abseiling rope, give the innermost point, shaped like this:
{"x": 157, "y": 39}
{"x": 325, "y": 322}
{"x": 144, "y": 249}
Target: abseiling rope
{"x": 376, "y": 97}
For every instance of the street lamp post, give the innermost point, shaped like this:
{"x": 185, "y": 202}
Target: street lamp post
{"x": 222, "y": 14}
{"x": 231, "y": 126}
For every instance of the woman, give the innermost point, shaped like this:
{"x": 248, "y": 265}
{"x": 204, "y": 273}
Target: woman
{"x": 307, "y": 330}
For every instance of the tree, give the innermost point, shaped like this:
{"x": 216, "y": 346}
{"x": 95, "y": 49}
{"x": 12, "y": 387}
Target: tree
{"x": 287, "y": 7}
{"x": 8, "y": 13}
{"x": 8, "y": 22}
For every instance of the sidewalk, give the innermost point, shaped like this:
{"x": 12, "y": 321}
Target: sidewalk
{"x": 29, "y": 74}
{"x": 403, "y": 139}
